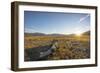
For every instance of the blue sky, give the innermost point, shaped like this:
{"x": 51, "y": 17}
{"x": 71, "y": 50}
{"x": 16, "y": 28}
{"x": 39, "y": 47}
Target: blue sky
{"x": 56, "y": 22}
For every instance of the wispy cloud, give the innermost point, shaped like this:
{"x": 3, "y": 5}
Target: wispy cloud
{"x": 83, "y": 18}
{"x": 29, "y": 30}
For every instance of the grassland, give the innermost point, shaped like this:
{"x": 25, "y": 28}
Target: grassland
{"x": 67, "y": 47}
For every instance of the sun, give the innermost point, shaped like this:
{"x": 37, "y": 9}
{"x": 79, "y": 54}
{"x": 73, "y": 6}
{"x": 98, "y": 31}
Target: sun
{"x": 78, "y": 33}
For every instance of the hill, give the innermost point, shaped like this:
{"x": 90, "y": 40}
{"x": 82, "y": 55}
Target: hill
{"x": 86, "y": 33}
{"x": 53, "y": 34}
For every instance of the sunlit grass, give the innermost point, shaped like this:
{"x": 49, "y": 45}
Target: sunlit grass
{"x": 68, "y": 47}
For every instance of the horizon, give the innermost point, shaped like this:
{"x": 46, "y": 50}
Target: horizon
{"x": 56, "y": 22}
{"x": 55, "y": 33}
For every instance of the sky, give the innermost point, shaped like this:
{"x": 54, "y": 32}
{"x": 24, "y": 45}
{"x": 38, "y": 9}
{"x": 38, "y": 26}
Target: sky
{"x": 56, "y": 22}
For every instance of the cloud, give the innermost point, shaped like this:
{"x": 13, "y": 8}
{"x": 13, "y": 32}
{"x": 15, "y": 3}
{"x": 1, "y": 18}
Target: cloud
{"x": 29, "y": 30}
{"x": 83, "y": 18}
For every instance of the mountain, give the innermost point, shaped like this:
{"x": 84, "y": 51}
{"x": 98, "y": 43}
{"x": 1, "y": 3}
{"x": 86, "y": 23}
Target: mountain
{"x": 34, "y": 34}
{"x": 42, "y": 34}
{"x": 86, "y": 33}
{"x": 53, "y": 34}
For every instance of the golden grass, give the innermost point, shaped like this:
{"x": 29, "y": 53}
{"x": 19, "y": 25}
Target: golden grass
{"x": 69, "y": 47}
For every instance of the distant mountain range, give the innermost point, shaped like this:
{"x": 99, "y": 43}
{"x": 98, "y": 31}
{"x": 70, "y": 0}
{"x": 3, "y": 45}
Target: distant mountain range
{"x": 86, "y": 33}
{"x": 43, "y": 34}
{"x": 54, "y": 34}
{"x": 35, "y": 34}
